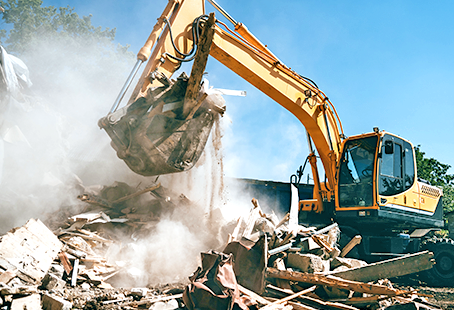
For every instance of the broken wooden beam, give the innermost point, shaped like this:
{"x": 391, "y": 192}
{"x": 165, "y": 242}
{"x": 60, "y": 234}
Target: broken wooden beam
{"x": 316, "y": 302}
{"x": 322, "y": 243}
{"x": 138, "y": 193}
{"x": 390, "y": 268}
{"x": 331, "y": 281}
{"x": 284, "y": 220}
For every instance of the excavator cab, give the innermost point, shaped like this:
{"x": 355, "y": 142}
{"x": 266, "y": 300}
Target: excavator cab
{"x": 377, "y": 184}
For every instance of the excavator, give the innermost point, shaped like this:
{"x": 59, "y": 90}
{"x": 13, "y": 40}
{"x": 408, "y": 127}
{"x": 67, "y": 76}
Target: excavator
{"x": 370, "y": 188}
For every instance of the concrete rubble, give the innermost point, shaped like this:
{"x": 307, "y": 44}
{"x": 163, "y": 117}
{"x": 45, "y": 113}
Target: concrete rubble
{"x": 266, "y": 263}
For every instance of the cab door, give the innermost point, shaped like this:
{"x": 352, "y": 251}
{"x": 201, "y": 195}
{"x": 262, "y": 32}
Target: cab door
{"x": 397, "y": 186}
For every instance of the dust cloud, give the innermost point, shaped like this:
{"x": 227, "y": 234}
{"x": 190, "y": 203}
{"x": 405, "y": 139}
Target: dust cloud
{"x": 56, "y": 140}
{"x": 171, "y": 251}
{"x": 61, "y": 151}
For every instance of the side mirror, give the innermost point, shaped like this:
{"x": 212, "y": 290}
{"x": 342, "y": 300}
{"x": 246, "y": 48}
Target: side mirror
{"x": 389, "y": 147}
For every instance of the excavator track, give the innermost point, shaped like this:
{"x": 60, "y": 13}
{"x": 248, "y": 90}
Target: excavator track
{"x": 442, "y": 274}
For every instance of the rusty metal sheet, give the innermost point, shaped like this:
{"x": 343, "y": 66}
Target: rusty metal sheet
{"x": 250, "y": 260}
{"x": 214, "y": 286}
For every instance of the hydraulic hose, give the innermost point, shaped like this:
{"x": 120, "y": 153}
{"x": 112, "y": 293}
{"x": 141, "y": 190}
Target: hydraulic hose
{"x": 195, "y": 36}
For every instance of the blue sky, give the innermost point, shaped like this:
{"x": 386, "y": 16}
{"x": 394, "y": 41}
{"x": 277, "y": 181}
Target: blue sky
{"x": 385, "y": 64}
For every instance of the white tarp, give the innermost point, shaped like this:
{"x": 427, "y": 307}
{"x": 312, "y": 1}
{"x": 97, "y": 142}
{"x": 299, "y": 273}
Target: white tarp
{"x": 15, "y": 73}
{"x": 14, "y": 77}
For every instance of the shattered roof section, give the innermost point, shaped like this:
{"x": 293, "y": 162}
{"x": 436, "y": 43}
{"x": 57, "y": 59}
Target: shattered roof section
{"x": 29, "y": 251}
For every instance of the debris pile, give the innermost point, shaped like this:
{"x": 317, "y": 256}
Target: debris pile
{"x": 278, "y": 266}
{"x": 266, "y": 264}
{"x": 120, "y": 209}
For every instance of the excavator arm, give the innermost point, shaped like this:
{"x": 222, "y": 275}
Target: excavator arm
{"x": 293, "y": 92}
{"x": 176, "y": 37}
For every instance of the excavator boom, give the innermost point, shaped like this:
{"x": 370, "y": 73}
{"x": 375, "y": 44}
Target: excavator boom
{"x": 241, "y": 52}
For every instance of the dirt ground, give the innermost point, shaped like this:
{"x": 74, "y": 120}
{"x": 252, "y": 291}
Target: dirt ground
{"x": 91, "y": 299}
{"x": 440, "y": 296}
{"x": 443, "y": 296}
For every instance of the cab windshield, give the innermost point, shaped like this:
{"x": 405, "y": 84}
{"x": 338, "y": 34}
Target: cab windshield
{"x": 356, "y": 172}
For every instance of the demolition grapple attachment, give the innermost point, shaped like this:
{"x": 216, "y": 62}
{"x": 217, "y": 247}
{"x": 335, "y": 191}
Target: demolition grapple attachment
{"x": 152, "y": 135}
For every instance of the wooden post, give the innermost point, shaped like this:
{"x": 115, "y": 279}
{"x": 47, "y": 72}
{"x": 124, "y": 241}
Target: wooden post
{"x": 350, "y": 245}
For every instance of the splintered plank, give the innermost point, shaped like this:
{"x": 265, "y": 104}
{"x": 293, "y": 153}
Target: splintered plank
{"x": 290, "y": 297}
{"x": 253, "y": 295}
{"x": 312, "y": 301}
{"x": 331, "y": 281}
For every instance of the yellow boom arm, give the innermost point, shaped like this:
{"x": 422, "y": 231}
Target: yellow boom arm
{"x": 249, "y": 58}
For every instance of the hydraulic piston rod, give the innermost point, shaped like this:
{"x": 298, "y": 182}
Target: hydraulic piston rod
{"x": 126, "y": 86}
{"x": 223, "y": 12}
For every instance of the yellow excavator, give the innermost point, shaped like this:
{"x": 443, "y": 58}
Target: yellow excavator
{"x": 370, "y": 187}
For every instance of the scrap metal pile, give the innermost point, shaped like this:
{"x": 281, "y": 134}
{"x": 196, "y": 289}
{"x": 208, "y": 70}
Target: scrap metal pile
{"x": 265, "y": 264}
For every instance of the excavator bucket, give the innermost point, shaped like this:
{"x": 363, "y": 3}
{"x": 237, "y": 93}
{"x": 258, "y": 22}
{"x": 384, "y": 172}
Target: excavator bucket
{"x": 153, "y": 137}
{"x": 165, "y": 129}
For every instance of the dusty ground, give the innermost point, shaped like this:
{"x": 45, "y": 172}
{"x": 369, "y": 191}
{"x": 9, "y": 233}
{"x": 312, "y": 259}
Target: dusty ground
{"x": 95, "y": 298}
{"x": 91, "y": 299}
{"x": 441, "y": 296}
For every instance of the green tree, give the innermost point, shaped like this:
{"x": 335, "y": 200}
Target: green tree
{"x": 28, "y": 20}
{"x": 65, "y": 53}
{"x": 69, "y": 42}
{"x": 436, "y": 173}
{"x": 77, "y": 71}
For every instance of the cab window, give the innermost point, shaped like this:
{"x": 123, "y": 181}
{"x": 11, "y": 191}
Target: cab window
{"x": 397, "y": 171}
{"x": 409, "y": 165}
{"x": 357, "y": 172}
